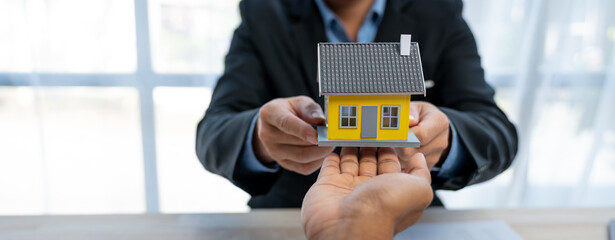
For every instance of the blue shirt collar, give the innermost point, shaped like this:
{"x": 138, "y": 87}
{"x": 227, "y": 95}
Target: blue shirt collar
{"x": 334, "y": 27}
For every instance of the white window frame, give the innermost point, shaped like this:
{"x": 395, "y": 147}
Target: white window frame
{"x": 144, "y": 79}
{"x": 355, "y": 117}
{"x": 390, "y": 117}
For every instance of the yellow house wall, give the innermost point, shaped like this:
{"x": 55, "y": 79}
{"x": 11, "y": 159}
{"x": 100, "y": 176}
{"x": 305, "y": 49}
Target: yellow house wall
{"x": 333, "y": 118}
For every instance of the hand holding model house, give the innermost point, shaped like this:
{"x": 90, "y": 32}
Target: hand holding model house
{"x": 367, "y": 89}
{"x": 432, "y": 127}
{"x": 284, "y": 134}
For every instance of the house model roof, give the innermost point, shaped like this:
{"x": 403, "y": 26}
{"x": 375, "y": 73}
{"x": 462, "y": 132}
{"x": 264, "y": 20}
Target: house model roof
{"x": 370, "y": 68}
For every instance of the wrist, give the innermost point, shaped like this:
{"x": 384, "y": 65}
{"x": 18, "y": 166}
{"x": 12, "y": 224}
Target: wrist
{"x": 370, "y": 228}
{"x": 361, "y": 222}
{"x": 364, "y": 228}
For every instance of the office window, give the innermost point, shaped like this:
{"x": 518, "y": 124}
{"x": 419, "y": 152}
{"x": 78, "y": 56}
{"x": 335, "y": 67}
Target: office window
{"x": 191, "y": 36}
{"x": 71, "y": 36}
{"x": 184, "y": 185}
{"x": 70, "y": 150}
{"x": 84, "y": 129}
{"x": 348, "y": 116}
{"x": 390, "y": 117}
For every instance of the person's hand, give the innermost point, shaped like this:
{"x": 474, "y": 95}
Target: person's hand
{"x": 284, "y": 133}
{"x": 432, "y": 127}
{"x": 369, "y": 198}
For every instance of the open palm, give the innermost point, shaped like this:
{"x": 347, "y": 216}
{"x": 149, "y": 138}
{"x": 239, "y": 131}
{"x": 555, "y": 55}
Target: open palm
{"x": 349, "y": 189}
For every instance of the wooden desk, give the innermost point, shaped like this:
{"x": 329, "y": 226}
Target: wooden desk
{"x": 558, "y": 224}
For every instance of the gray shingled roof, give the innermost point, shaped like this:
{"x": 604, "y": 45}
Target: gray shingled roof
{"x": 369, "y": 68}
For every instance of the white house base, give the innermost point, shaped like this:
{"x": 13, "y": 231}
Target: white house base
{"x": 323, "y": 140}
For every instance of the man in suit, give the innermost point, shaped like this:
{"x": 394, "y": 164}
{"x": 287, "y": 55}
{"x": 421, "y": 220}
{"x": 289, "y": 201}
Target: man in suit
{"x": 258, "y": 130}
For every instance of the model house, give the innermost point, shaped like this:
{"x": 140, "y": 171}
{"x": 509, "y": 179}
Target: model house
{"x": 367, "y": 89}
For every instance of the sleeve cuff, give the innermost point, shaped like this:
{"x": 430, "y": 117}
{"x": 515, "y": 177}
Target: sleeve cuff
{"x": 455, "y": 156}
{"x": 247, "y": 161}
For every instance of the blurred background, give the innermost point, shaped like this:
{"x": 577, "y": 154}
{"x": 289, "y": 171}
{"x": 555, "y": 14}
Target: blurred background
{"x": 99, "y": 102}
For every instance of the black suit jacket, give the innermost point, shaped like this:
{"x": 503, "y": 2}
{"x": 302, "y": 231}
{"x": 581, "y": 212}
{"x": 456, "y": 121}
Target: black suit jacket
{"x": 273, "y": 55}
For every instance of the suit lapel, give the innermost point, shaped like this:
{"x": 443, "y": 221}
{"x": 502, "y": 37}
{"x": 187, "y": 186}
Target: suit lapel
{"x": 306, "y": 33}
{"x": 396, "y": 21}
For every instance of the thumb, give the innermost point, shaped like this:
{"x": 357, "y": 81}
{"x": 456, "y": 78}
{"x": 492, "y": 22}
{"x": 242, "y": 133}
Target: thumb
{"x": 418, "y": 166}
{"x": 308, "y": 110}
{"x": 414, "y": 114}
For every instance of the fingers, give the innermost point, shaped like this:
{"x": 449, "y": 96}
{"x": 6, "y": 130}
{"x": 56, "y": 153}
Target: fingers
{"x": 281, "y": 114}
{"x": 331, "y": 166}
{"x": 414, "y": 114}
{"x": 435, "y": 150}
{"x": 371, "y": 161}
{"x": 404, "y": 154}
{"x": 349, "y": 163}
{"x": 308, "y": 110}
{"x": 300, "y": 154}
{"x": 388, "y": 161}
{"x": 368, "y": 164}
{"x": 417, "y": 166}
{"x": 426, "y": 131}
{"x": 432, "y": 130}
{"x": 293, "y": 125}
{"x": 271, "y": 134}
{"x": 432, "y": 123}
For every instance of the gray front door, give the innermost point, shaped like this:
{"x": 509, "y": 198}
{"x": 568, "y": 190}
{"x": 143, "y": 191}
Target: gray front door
{"x": 369, "y": 121}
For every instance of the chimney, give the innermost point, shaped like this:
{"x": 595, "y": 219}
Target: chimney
{"x": 404, "y": 44}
